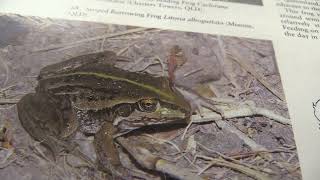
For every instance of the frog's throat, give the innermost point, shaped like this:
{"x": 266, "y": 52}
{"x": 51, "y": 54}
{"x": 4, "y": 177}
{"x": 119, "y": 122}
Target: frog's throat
{"x": 167, "y": 95}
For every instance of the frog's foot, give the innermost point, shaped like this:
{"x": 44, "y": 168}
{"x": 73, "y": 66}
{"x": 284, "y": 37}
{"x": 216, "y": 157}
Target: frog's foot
{"x": 122, "y": 132}
{"x": 141, "y": 149}
{"x": 107, "y": 154}
{"x": 197, "y": 102}
{"x": 78, "y": 153}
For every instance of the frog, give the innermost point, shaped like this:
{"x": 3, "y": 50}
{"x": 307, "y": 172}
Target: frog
{"x": 90, "y": 94}
{"x": 49, "y": 118}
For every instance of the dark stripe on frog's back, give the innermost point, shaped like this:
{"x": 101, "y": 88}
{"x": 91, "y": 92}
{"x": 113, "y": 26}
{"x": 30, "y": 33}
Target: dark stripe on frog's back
{"x": 106, "y": 57}
{"x": 103, "y": 85}
{"x": 90, "y": 85}
{"x": 159, "y": 83}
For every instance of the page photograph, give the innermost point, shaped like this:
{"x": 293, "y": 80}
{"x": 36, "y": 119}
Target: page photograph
{"x": 86, "y": 100}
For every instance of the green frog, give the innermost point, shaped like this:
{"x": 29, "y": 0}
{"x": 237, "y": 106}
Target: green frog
{"x": 90, "y": 94}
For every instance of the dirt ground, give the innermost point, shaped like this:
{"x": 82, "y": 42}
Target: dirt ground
{"x": 257, "y": 136}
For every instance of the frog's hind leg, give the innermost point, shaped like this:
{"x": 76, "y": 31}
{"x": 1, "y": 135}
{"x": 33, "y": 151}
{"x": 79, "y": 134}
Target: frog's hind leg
{"x": 38, "y": 116}
{"x": 42, "y": 119}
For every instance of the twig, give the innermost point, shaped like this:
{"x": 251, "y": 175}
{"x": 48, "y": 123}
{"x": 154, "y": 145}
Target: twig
{"x": 4, "y": 165}
{"x": 198, "y": 102}
{"x": 8, "y": 101}
{"x": 257, "y": 76}
{"x": 70, "y": 166}
{"x": 6, "y": 162}
{"x": 176, "y": 147}
{"x": 130, "y": 66}
{"x": 7, "y": 88}
{"x": 247, "y": 88}
{"x": 164, "y": 141}
{"x": 161, "y": 63}
{"x": 176, "y": 172}
{"x": 291, "y": 157}
{"x": 245, "y": 109}
{"x": 38, "y": 150}
{"x": 253, "y": 145}
{"x": 31, "y": 76}
{"x": 221, "y": 47}
{"x": 147, "y": 65}
{"x": 146, "y": 159}
{"x": 254, "y": 153}
{"x": 253, "y": 49}
{"x": 192, "y": 72}
{"x": 269, "y": 171}
{"x": 102, "y": 44}
{"x": 237, "y": 167}
{"x": 186, "y": 129}
{"x": 76, "y": 43}
{"x": 6, "y": 70}
{"x": 124, "y": 49}
{"x": 204, "y": 169}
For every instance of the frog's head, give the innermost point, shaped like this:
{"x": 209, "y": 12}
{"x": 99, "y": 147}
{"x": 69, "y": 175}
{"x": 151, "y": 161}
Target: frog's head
{"x": 150, "y": 111}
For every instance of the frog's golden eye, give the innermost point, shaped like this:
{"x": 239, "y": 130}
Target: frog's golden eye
{"x": 148, "y": 105}
{"x": 124, "y": 110}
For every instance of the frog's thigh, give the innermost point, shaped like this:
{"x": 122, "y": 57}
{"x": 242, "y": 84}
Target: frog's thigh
{"x": 39, "y": 118}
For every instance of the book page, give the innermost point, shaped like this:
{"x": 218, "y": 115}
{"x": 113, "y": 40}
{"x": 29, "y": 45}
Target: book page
{"x": 246, "y": 68}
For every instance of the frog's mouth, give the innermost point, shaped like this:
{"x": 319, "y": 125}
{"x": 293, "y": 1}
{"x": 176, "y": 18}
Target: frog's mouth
{"x": 140, "y": 119}
{"x": 126, "y": 125}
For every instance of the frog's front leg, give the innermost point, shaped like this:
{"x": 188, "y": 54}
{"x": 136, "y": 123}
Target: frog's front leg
{"x": 107, "y": 154}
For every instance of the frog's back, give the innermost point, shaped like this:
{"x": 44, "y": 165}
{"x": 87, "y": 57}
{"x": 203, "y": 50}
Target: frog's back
{"x": 94, "y": 77}
{"x": 130, "y": 85}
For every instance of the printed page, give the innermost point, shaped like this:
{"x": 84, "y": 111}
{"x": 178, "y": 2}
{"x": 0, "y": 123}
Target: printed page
{"x": 190, "y": 89}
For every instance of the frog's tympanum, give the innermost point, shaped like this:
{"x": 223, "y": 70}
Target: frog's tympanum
{"x": 88, "y": 93}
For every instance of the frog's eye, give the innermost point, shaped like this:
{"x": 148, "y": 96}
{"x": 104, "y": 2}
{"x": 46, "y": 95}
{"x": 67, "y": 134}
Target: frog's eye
{"x": 124, "y": 110}
{"x": 148, "y": 105}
